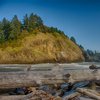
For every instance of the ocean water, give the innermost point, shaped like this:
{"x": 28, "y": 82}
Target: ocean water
{"x": 47, "y": 66}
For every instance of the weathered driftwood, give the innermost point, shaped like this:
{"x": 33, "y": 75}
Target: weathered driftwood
{"x": 93, "y": 85}
{"x": 55, "y": 76}
{"x": 71, "y": 96}
{"x": 21, "y": 79}
{"x": 41, "y": 95}
{"x": 89, "y": 93}
{"x": 98, "y": 83}
{"x": 19, "y": 97}
{"x": 37, "y": 94}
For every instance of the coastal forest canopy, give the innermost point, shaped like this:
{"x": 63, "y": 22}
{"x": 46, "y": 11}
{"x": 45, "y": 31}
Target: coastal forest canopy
{"x": 30, "y": 41}
{"x": 10, "y": 30}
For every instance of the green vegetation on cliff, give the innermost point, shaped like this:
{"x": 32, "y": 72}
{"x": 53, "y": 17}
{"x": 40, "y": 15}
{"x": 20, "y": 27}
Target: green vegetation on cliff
{"x": 31, "y": 41}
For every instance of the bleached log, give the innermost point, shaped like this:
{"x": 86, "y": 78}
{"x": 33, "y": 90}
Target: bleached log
{"x": 88, "y": 93}
{"x": 93, "y": 85}
{"x": 34, "y": 78}
{"x": 19, "y": 97}
{"x": 71, "y": 96}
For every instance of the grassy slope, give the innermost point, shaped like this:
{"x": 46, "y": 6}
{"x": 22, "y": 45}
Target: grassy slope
{"x": 40, "y": 48}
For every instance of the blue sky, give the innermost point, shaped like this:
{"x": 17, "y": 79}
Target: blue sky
{"x": 78, "y": 18}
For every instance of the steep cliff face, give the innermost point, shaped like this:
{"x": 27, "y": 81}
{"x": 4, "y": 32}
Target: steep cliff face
{"x": 41, "y": 48}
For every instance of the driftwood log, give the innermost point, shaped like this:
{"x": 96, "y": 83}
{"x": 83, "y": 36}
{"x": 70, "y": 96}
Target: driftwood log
{"x": 35, "y": 95}
{"x": 89, "y": 93}
{"x": 18, "y": 97}
{"x": 72, "y": 96}
{"x": 55, "y": 76}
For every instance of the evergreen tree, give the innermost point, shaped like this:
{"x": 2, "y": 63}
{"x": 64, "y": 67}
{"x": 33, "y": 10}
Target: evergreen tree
{"x": 1, "y": 27}
{"x": 2, "y": 38}
{"x": 34, "y": 22}
{"x": 73, "y": 39}
{"x": 6, "y": 28}
{"x": 26, "y": 22}
{"x": 31, "y": 22}
{"x": 38, "y": 21}
{"x": 90, "y": 52}
{"x": 81, "y": 47}
{"x": 16, "y": 27}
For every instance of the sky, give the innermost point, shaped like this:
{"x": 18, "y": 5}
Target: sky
{"x": 78, "y": 18}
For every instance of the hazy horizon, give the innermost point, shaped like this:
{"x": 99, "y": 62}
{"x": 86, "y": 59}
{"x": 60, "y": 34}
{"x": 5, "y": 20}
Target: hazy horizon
{"x": 78, "y": 18}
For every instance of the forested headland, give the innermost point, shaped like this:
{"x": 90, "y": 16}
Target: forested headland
{"x": 31, "y": 41}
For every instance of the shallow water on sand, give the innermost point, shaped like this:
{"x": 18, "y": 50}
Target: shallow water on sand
{"x": 46, "y": 67}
